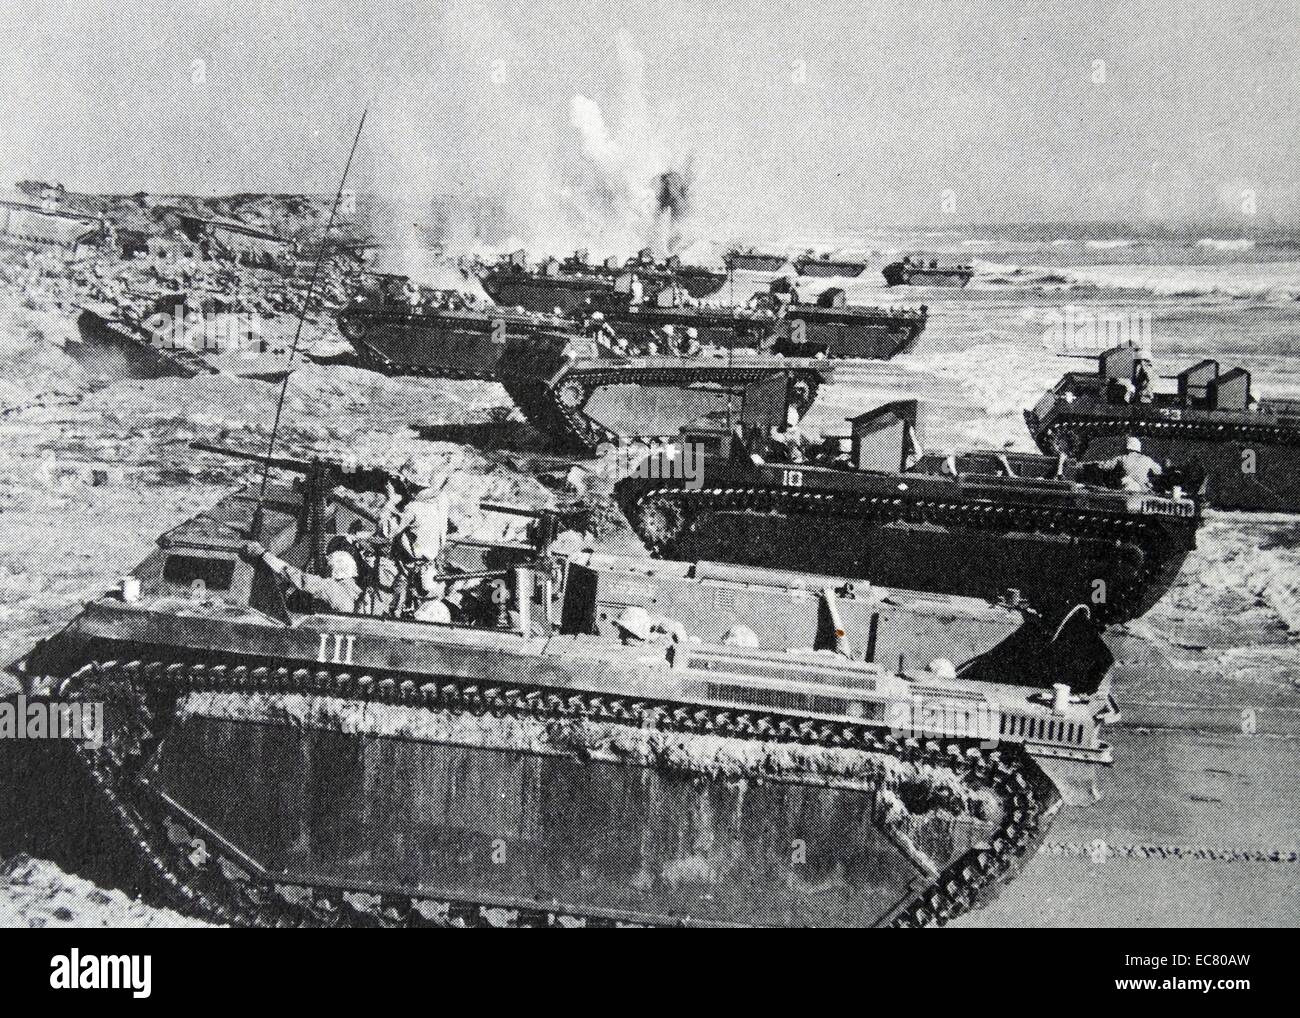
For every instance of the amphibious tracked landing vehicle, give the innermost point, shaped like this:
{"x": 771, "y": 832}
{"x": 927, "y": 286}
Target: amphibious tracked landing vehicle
{"x": 563, "y": 286}
{"x": 909, "y": 272}
{"x": 1247, "y": 450}
{"x": 412, "y": 773}
{"x": 577, "y": 388}
{"x": 177, "y": 335}
{"x": 696, "y": 280}
{"x": 991, "y": 525}
{"x": 584, "y": 395}
{"x": 775, "y": 321}
{"x": 751, "y": 260}
{"x": 809, "y": 264}
{"x": 549, "y": 288}
{"x": 444, "y": 336}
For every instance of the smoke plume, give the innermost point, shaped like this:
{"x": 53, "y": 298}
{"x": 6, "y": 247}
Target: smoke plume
{"x": 466, "y": 156}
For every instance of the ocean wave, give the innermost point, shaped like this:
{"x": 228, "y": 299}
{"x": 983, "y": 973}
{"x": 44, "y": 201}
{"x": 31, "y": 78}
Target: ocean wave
{"x": 1106, "y": 245}
{"x": 1276, "y": 281}
{"x": 1217, "y": 244}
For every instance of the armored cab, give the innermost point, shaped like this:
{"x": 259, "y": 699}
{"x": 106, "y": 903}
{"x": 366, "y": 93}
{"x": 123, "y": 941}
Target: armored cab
{"x": 1002, "y": 527}
{"x": 271, "y": 762}
{"x": 177, "y": 335}
{"x": 910, "y": 272}
{"x": 1208, "y": 427}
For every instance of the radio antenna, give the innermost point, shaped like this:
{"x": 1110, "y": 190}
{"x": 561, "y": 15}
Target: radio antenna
{"x": 302, "y": 318}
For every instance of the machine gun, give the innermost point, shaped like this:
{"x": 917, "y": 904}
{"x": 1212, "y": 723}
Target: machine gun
{"x": 340, "y": 473}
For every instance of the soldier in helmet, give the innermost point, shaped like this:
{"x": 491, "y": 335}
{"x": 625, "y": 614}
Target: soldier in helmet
{"x": 637, "y": 627}
{"x": 600, "y": 330}
{"x": 417, "y": 526}
{"x": 339, "y": 591}
{"x": 1142, "y": 379}
{"x": 1135, "y": 468}
{"x": 790, "y": 442}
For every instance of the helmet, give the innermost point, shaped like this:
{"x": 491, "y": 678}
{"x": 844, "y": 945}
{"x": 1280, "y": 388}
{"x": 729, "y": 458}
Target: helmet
{"x": 1133, "y": 444}
{"x": 740, "y": 636}
{"x": 942, "y": 668}
{"x": 693, "y": 333}
{"x": 342, "y": 566}
{"x": 635, "y": 621}
{"x": 669, "y": 329}
{"x": 420, "y": 474}
{"x": 598, "y": 316}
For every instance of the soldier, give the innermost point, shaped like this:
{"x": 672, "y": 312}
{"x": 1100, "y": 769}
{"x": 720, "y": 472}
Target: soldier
{"x": 1136, "y": 469}
{"x": 636, "y": 627}
{"x": 338, "y": 592}
{"x": 601, "y": 331}
{"x": 1142, "y": 380}
{"x": 790, "y": 440}
{"x": 740, "y": 635}
{"x": 417, "y": 527}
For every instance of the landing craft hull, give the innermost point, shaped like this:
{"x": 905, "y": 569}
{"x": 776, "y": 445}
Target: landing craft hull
{"x": 540, "y": 829}
{"x": 1248, "y": 463}
{"x": 724, "y": 328}
{"x": 396, "y": 794}
{"x": 700, "y": 283}
{"x": 921, "y": 534}
{"x": 443, "y": 344}
{"x": 543, "y": 294}
{"x": 115, "y": 348}
{"x": 808, "y": 331}
{"x": 824, "y": 268}
{"x": 900, "y": 275}
{"x": 585, "y": 403}
{"x": 333, "y": 769}
{"x": 756, "y": 262}
{"x": 805, "y": 330}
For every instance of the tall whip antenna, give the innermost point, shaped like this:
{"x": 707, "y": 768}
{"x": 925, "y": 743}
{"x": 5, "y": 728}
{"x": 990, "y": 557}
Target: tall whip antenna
{"x": 302, "y": 317}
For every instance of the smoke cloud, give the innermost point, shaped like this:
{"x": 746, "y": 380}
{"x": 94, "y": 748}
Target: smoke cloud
{"x": 471, "y": 157}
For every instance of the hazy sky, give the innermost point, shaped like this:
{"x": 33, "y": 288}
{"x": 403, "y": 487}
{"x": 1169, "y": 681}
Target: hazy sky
{"x": 1002, "y": 106}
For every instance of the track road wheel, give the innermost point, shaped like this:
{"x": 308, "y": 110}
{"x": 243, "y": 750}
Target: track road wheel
{"x": 1064, "y": 443}
{"x": 659, "y": 522}
{"x": 571, "y": 395}
{"x": 350, "y": 327}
